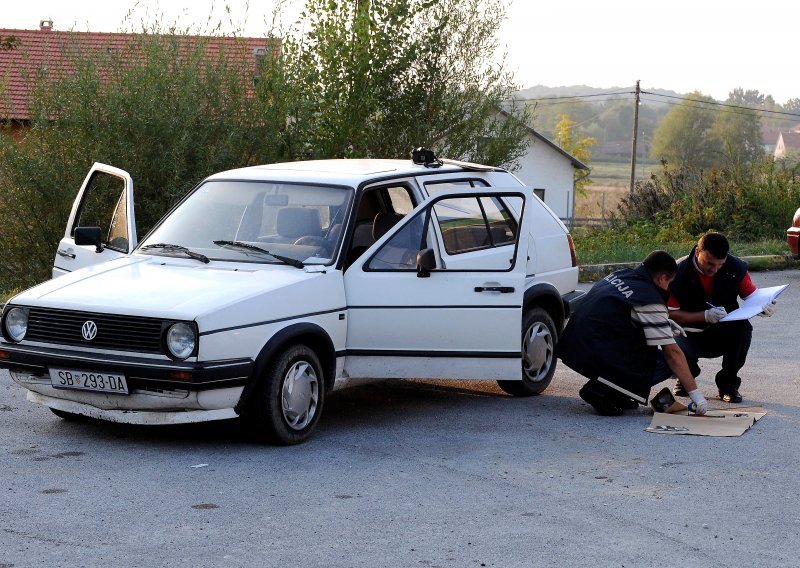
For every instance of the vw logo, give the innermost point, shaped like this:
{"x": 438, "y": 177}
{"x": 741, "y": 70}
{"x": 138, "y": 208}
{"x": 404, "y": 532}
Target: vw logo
{"x": 89, "y": 330}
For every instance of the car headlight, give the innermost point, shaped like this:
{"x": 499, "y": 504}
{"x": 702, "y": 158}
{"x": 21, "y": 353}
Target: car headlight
{"x": 181, "y": 340}
{"x": 16, "y": 323}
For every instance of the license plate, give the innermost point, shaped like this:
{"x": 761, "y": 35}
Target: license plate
{"x": 88, "y": 380}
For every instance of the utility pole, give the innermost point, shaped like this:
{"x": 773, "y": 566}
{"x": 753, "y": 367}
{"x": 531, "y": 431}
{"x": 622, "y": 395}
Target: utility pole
{"x": 635, "y": 130}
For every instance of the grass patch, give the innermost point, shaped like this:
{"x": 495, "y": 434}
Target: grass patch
{"x": 619, "y": 173}
{"x": 601, "y": 245}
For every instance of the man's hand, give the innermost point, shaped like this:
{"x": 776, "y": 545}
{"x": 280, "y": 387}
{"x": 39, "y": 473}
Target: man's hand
{"x": 700, "y": 402}
{"x": 676, "y": 328}
{"x": 767, "y": 310}
{"x": 715, "y": 314}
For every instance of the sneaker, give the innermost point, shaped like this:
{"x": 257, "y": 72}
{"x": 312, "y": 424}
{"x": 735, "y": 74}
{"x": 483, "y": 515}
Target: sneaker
{"x": 731, "y": 395}
{"x": 600, "y": 403}
{"x": 678, "y": 389}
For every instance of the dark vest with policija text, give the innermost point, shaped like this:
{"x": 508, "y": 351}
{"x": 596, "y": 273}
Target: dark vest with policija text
{"x": 689, "y": 291}
{"x": 600, "y": 340}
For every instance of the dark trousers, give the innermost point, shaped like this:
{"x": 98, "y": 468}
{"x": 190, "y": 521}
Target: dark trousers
{"x": 729, "y": 340}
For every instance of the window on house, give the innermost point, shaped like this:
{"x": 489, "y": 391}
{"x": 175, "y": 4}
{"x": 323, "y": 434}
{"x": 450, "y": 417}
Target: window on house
{"x": 539, "y": 192}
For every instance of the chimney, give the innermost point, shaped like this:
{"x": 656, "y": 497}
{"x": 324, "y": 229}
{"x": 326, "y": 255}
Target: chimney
{"x": 45, "y": 25}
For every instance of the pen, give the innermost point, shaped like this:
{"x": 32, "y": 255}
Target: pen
{"x": 712, "y": 305}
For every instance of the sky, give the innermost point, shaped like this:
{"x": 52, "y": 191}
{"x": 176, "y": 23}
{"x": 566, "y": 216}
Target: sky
{"x": 711, "y": 46}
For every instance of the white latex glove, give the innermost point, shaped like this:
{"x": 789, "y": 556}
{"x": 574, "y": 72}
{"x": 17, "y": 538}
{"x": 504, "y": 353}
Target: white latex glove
{"x": 700, "y": 402}
{"x": 715, "y": 314}
{"x": 676, "y": 328}
{"x": 767, "y": 310}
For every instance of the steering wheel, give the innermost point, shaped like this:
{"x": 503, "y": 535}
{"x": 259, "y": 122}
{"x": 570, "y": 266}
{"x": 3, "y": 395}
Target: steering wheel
{"x": 323, "y": 246}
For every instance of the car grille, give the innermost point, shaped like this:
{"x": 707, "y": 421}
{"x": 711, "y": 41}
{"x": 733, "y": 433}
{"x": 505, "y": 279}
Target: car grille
{"x": 125, "y": 333}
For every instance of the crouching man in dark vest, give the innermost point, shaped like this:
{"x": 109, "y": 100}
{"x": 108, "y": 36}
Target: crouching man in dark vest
{"x": 707, "y": 286}
{"x": 623, "y": 341}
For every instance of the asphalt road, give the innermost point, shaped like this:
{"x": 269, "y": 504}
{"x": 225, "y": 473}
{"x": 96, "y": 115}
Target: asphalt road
{"x": 418, "y": 474}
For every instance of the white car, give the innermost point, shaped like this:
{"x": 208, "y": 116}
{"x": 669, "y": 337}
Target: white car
{"x": 268, "y": 286}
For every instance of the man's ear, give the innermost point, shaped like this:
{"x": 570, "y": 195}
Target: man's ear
{"x": 663, "y": 280}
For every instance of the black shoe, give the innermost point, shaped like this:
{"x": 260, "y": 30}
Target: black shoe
{"x": 600, "y": 403}
{"x": 627, "y": 403}
{"x": 730, "y": 395}
{"x": 678, "y": 389}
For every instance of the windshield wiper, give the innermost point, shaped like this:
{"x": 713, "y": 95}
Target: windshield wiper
{"x": 247, "y": 246}
{"x": 170, "y": 247}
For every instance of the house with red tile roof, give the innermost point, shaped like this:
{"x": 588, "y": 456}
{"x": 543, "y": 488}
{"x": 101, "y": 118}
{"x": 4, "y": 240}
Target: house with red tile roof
{"x": 25, "y": 53}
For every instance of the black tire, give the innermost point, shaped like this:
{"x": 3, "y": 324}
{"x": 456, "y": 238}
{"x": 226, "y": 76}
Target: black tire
{"x": 70, "y": 416}
{"x": 539, "y": 337}
{"x": 288, "y": 401}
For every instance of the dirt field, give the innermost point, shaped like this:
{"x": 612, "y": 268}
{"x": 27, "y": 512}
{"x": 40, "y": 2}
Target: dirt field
{"x": 598, "y": 201}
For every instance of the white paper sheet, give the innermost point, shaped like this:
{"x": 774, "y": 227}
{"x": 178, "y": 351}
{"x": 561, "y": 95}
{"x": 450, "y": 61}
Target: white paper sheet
{"x": 752, "y": 305}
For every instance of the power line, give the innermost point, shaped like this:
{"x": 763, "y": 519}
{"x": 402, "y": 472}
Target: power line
{"x": 730, "y": 109}
{"x": 723, "y": 104}
{"x": 577, "y": 96}
{"x": 567, "y": 99}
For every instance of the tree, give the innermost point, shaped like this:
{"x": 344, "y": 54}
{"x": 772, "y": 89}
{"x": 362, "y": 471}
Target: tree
{"x": 683, "y": 137}
{"x": 792, "y": 105}
{"x": 737, "y": 132}
{"x": 581, "y": 148}
{"x": 379, "y": 77}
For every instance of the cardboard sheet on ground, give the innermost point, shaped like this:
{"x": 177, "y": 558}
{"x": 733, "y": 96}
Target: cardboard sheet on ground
{"x": 726, "y": 423}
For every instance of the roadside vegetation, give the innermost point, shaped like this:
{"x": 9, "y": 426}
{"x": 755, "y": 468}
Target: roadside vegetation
{"x": 752, "y": 205}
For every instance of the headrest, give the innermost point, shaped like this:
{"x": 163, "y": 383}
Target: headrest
{"x": 383, "y": 222}
{"x": 296, "y": 222}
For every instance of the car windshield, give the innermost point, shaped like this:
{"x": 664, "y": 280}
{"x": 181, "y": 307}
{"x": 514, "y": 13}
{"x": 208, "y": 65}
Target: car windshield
{"x": 294, "y": 221}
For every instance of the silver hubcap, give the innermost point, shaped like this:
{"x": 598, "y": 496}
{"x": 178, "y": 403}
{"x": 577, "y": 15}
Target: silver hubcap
{"x": 299, "y": 395}
{"x": 537, "y": 352}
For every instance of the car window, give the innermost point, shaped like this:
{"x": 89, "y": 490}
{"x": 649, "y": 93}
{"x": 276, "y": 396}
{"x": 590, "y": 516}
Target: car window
{"x": 299, "y": 221}
{"x": 469, "y": 224}
{"x": 465, "y": 223}
{"x": 378, "y": 210}
{"x": 104, "y": 205}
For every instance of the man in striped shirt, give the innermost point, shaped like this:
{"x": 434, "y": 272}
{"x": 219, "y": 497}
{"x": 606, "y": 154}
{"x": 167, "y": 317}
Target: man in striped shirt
{"x": 622, "y": 340}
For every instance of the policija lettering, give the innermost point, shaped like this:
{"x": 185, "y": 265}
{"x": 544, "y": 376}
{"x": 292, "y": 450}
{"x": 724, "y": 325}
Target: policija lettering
{"x": 620, "y": 285}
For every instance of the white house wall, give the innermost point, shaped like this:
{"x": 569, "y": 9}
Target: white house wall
{"x": 545, "y": 168}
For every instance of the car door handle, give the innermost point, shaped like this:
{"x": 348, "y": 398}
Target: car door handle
{"x": 65, "y": 253}
{"x": 501, "y": 289}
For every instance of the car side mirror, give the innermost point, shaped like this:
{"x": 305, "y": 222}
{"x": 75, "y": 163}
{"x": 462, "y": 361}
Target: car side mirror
{"x": 426, "y": 261}
{"x": 89, "y": 236}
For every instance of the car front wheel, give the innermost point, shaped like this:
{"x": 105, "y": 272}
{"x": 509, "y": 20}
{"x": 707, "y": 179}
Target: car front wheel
{"x": 539, "y": 337}
{"x": 288, "y": 402}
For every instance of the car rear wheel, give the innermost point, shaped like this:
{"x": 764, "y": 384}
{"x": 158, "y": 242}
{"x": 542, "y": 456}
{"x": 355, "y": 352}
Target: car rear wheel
{"x": 539, "y": 337}
{"x": 288, "y": 402}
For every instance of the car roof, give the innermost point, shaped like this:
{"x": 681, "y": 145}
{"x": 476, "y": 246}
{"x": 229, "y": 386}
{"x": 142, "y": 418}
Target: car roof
{"x": 342, "y": 171}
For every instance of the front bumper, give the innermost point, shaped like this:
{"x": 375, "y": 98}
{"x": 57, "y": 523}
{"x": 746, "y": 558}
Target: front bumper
{"x": 123, "y": 416}
{"x": 140, "y": 373}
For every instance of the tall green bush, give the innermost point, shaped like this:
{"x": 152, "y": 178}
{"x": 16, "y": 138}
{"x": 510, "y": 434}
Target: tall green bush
{"x": 167, "y": 108}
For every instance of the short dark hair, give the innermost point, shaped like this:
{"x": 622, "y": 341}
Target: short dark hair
{"x": 660, "y": 262}
{"x": 714, "y": 243}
